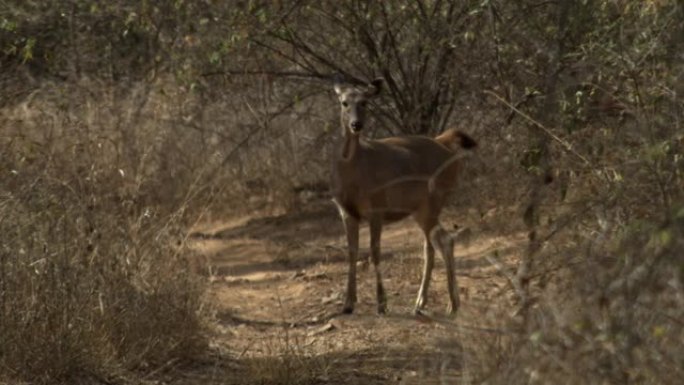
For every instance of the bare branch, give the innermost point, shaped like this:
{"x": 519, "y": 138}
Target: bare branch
{"x": 567, "y": 146}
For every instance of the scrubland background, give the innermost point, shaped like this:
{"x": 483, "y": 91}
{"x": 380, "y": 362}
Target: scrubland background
{"x": 125, "y": 123}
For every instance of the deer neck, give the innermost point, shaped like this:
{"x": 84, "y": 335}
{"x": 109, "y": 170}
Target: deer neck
{"x": 349, "y": 145}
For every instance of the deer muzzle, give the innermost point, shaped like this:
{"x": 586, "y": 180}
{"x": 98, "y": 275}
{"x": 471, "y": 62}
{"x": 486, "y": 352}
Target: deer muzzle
{"x": 356, "y": 126}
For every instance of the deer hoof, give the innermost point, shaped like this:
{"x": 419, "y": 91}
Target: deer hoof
{"x": 348, "y": 309}
{"x": 420, "y": 304}
{"x": 452, "y": 310}
{"x": 382, "y": 309}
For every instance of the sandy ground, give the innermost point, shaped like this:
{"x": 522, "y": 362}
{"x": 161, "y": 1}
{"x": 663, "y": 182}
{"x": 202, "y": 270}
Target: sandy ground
{"x": 277, "y": 283}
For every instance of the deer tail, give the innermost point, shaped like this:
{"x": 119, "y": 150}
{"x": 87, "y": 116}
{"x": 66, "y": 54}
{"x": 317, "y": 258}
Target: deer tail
{"x": 454, "y": 140}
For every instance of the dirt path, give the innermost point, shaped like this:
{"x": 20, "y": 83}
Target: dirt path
{"x": 278, "y": 285}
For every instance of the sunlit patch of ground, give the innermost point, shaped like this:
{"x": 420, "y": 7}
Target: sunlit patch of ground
{"x": 278, "y": 286}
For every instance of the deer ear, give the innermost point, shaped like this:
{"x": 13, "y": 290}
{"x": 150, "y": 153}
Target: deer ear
{"x": 338, "y": 88}
{"x": 374, "y": 87}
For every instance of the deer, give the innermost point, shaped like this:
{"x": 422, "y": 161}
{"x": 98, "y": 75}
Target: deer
{"x": 380, "y": 181}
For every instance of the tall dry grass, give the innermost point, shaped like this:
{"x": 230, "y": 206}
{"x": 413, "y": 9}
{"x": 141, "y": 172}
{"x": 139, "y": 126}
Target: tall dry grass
{"x": 606, "y": 285}
{"x": 95, "y": 278}
{"x": 611, "y": 313}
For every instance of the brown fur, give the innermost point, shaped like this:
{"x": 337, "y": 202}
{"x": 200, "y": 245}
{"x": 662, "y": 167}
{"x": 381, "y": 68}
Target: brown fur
{"x": 388, "y": 179}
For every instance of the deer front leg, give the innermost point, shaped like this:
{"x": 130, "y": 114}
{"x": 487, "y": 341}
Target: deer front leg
{"x": 351, "y": 228}
{"x": 443, "y": 241}
{"x": 375, "y": 235}
{"x": 428, "y": 264}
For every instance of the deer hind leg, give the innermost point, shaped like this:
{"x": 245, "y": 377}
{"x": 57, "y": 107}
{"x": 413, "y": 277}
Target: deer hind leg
{"x": 375, "y": 235}
{"x": 426, "y": 218}
{"x": 443, "y": 241}
{"x": 351, "y": 228}
{"x": 428, "y": 264}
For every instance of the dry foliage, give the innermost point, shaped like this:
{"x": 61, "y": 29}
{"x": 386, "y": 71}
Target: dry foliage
{"x": 94, "y": 280}
{"x": 120, "y": 125}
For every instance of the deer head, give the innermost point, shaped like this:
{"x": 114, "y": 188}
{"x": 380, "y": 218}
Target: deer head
{"x": 354, "y": 102}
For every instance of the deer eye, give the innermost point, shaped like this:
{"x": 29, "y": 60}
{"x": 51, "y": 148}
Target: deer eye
{"x": 345, "y": 104}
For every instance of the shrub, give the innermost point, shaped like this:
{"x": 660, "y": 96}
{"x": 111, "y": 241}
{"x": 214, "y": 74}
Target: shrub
{"x": 94, "y": 281}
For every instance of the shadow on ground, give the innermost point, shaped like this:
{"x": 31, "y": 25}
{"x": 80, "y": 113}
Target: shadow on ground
{"x": 278, "y": 284}
{"x": 316, "y": 221}
{"x": 374, "y": 366}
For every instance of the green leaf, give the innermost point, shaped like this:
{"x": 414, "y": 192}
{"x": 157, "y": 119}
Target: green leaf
{"x": 536, "y": 337}
{"x": 659, "y": 331}
{"x": 215, "y": 57}
{"x": 665, "y": 237}
{"x": 27, "y": 51}
{"x": 8, "y": 25}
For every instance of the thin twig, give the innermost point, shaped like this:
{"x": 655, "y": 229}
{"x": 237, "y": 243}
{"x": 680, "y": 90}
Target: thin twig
{"x": 515, "y": 283}
{"x": 565, "y": 144}
{"x": 281, "y": 74}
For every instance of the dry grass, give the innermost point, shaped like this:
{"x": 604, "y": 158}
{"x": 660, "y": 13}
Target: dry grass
{"x": 112, "y": 144}
{"x": 99, "y": 181}
{"x": 94, "y": 281}
{"x": 606, "y": 286}
{"x": 286, "y": 360}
